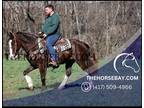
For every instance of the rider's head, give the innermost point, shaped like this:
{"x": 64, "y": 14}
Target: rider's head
{"x": 48, "y": 10}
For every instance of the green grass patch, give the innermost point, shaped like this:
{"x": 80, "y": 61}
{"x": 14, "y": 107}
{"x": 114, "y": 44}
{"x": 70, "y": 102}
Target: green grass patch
{"x": 15, "y": 86}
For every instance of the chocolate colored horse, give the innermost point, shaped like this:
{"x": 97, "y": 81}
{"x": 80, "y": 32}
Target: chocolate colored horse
{"x": 80, "y": 53}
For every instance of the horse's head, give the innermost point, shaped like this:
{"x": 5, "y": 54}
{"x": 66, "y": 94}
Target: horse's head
{"x": 14, "y": 45}
{"x": 131, "y": 60}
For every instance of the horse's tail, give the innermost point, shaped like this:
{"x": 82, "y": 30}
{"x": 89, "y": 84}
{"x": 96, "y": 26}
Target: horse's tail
{"x": 90, "y": 52}
{"x": 91, "y": 61}
{"x": 94, "y": 56}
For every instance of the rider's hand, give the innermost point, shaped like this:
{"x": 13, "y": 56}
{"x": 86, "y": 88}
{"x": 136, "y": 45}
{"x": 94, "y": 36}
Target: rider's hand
{"x": 41, "y": 34}
{"x": 44, "y": 35}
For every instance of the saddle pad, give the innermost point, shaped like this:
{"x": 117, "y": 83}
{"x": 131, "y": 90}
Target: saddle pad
{"x": 59, "y": 46}
{"x": 63, "y": 46}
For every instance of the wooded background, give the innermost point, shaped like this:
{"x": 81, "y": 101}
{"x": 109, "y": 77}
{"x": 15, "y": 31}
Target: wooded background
{"x": 104, "y": 25}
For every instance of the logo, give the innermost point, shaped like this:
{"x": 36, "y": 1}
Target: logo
{"x": 127, "y": 57}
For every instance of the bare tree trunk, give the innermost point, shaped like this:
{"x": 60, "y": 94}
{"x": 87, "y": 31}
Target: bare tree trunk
{"x": 117, "y": 11}
{"x": 87, "y": 15}
{"x": 107, "y": 33}
{"x": 77, "y": 20}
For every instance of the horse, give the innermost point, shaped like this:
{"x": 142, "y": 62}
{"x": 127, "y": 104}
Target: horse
{"x": 80, "y": 53}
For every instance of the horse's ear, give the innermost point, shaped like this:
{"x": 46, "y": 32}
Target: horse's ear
{"x": 131, "y": 53}
{"x": 10, "y": 35}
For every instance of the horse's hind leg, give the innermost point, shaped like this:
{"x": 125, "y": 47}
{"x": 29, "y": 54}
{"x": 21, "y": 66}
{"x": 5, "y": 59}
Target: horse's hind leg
{"x": 68, "y": 67}
{"x": 28, "y": 78}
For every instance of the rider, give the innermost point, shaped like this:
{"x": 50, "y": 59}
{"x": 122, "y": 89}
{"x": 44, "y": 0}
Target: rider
{"x": 51, "y": 30}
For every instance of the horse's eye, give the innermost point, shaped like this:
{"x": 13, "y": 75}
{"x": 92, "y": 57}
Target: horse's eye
{"x": 130, "y": 58}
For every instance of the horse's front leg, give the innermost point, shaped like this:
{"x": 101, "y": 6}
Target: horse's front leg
{"x": 28, "y": 78}
{"x": 68, "y": 67}
{"x": 43, "y": 69}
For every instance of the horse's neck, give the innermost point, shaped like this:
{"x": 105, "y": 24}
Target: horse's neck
{"x": 29, "y": 47}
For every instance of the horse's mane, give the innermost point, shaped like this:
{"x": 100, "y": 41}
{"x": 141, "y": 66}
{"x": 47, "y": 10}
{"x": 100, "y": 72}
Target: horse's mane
{"x": 27, "y": 37}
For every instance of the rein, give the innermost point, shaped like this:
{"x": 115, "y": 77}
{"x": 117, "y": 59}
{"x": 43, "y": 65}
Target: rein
{"x": 33, "y": 35}
{"x": 36, "y": 44}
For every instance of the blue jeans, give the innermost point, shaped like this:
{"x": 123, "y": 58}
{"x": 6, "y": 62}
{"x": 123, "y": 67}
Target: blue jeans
{"x": 50, "y": 41}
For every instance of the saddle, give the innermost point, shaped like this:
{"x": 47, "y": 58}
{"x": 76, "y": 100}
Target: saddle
{"x": 61, "y": 45}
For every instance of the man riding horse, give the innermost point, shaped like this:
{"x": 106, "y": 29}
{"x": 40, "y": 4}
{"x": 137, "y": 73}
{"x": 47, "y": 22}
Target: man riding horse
{"x": 51, "y": 32}
{"x": 69, "y": 51}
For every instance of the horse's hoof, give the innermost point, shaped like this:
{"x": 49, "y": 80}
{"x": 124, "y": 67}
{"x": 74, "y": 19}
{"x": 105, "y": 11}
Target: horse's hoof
{"x": 31, "y": 88}
{"x": 60, "y": 87}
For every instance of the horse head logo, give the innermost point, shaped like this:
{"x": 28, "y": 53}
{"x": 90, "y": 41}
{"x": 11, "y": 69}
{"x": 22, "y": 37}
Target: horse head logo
{"x": 129, "y": 57}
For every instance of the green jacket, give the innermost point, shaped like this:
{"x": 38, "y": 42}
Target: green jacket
{"x": 52, "y": 25}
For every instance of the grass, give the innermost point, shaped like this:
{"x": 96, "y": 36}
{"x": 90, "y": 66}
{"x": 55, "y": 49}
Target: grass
{"x": 15, "y": 86}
